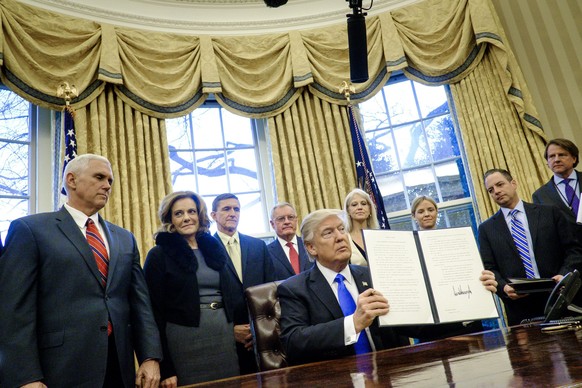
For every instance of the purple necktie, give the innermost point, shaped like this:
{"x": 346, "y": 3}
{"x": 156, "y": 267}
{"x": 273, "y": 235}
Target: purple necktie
{"x": 573, "y": 200}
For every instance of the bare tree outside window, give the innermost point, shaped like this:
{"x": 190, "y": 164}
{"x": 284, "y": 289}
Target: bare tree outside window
{"x": 415, "y": 151}
{"x": 213, "y": 151}
{"x": 14, "y": 158}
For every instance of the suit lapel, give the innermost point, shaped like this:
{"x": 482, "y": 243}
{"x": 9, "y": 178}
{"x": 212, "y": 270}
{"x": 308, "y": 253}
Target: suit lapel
{"x": 279, "y": 254}
{"x": 229, "y": 263}
{"x": 322, "y": 291}
{"x": 533, "y": 219}
{"x": 72, "y": 232}
{"x": 504, "y": 232}
{"x": 361, "y": 279}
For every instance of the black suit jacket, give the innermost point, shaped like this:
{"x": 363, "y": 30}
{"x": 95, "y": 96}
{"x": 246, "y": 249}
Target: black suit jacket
{"x": 556, "y": 251}
{"x": 283, "y": 269}
{"x": 312, "y": 322}
{"x": 54, "y": 310}
{"x": 257, "y": 268}
{"x": 548, "y": 194}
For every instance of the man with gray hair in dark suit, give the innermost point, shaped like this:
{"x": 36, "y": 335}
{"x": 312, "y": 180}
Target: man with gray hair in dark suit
{"x": 287, "y": 250}
{"x": 75, "y": 305}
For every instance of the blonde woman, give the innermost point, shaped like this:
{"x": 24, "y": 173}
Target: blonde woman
{"x": 361, "y": 214}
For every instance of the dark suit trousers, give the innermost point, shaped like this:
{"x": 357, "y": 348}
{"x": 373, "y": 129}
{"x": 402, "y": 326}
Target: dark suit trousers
{"x": 113, "y": 377}
{"x": 246, "y": 360}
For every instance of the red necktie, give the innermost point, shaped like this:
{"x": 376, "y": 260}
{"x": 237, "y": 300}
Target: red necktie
{"x": 293, "y": 257}
{"x": 101, "y": 257}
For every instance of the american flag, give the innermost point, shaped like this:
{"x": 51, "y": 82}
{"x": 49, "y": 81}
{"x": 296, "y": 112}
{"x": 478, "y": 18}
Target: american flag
{"x": 70, "y": 139}
{"x": 364, "y": 174}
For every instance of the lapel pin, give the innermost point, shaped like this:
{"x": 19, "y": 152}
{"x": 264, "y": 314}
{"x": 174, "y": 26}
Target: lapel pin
{"x": 365, "y": 284}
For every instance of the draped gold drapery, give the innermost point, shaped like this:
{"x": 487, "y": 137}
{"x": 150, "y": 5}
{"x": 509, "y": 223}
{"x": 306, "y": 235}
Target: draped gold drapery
{"x": 493, "y": 136}
{"x": 311, "y": 144}
{"x": 291, "y": 78}
{"x": 137, "y": 147}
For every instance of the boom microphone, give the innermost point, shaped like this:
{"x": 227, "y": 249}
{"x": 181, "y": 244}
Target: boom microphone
{"x": 358, "y": 46}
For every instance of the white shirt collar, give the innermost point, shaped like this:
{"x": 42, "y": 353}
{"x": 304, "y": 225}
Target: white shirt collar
{"x": 330, "y": 274}
{"x": 519, "y": 207}
{"x": 80, "y": 218}
{"x": 283, "y": 242}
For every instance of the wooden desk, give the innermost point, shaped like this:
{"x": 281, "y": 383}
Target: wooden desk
{"x": 518, "y": 357}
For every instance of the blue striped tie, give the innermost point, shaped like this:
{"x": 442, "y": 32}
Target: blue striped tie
{"x": 520, "y": 239}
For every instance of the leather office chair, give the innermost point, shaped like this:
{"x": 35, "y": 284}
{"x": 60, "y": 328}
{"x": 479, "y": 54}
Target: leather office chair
{"x": 265, "y": 312}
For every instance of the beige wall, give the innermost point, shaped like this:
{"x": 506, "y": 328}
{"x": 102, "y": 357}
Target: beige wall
{"x": 546, "y": 37}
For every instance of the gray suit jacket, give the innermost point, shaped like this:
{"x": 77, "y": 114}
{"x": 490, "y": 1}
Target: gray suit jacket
{"x": 283, "y": 267}
{"x": 54, "y": 310}
{"x": 548, "y": 194}
{"x": 556, "y": 250}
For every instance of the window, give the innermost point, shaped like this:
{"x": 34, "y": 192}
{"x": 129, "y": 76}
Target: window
{"x": 15, "y": 158}
{"x": 213, "y": 151}
{"x": 415, "y": 150}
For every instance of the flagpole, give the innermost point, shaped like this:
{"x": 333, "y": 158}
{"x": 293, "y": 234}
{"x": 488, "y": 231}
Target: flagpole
{"x": 68, "y": 92}
{"x": 365, "y": 177}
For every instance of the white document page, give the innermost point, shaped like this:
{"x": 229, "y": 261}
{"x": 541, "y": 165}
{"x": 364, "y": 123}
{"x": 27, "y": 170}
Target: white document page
{"x": 397, "y": 274}
{"x": 454, "y": 265}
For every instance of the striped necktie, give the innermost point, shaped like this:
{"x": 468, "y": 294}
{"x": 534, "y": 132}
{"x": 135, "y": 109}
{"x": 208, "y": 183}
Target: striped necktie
{"x": 573, "y": 200}
{"x": 99, "y": 250}
{"x": 101, "y": 257}
{"x": 520, "y": 239}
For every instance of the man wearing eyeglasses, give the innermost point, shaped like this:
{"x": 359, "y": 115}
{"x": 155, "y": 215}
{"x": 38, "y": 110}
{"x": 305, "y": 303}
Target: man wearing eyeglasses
{"x": 288, "y": 251}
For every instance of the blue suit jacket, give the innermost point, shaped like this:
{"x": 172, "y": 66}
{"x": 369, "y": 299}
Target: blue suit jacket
{"x": 54, "y": 310}
{"x": 312, "y": 322}
{"x": 283, "y": 267}
{"x": 556, "y": 249}
{"x": 257, "y": 268}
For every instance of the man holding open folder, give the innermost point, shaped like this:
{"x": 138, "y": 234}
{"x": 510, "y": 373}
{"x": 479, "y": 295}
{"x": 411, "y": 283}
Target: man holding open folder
{"x": 524, "y": 240}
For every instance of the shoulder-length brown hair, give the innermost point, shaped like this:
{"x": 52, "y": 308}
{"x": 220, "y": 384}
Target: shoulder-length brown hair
{"x": 165, "y": 211}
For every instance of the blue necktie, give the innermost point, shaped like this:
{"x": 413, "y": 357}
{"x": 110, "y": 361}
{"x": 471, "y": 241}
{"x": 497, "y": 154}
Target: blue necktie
{"x": 520, "y": 239}
{"x": 348, "y": 307}
{"x": 573, "y": 200}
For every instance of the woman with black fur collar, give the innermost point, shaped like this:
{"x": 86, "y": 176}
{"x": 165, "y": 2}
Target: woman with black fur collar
{"x": 189, "y": 284}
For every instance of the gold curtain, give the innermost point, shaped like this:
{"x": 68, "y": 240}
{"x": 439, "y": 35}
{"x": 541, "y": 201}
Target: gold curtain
{"x": 312, "y": 154}
{"x": 493, "y": 136}
{"x": 137, "y": 147}
{"x": 274, "y": 76}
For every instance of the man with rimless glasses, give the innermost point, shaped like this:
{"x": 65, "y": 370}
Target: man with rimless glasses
{"x": 287, "y": 250}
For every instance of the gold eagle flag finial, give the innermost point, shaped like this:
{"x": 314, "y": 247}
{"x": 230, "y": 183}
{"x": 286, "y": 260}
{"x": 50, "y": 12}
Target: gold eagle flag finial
{"x": 347, "y": 89}
{"x": 67, "y": 92}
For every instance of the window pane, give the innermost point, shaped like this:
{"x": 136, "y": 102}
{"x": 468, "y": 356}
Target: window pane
{"x": 14, "y": 169}
{"x": 373, "y": 113}
{"x": 211, "y": 170}
{"x": 452, "y": 185}
{"x": 242, "y": 167}
{"x": 401, "y": 223}
{"x": 221, "y": 159}
{"x": 401, "y": 103}
{"x": 412, "y": 146}
{"x": 392, "y": 191}
{"x": 432, "y": 100}
{"x": 420, "y": 182}
{"x": 14, "y": 117}
{"x": 441, "y": 137}
{"x": 237, "y": 130}
{"x": 178, "y": 133}
{"x": 252, "y": 215}
{"x": 12, "y": 209}
{"x": 461, "y": 216}
{"x": 207, "y": 129}
{"x": 382, "y": 151}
